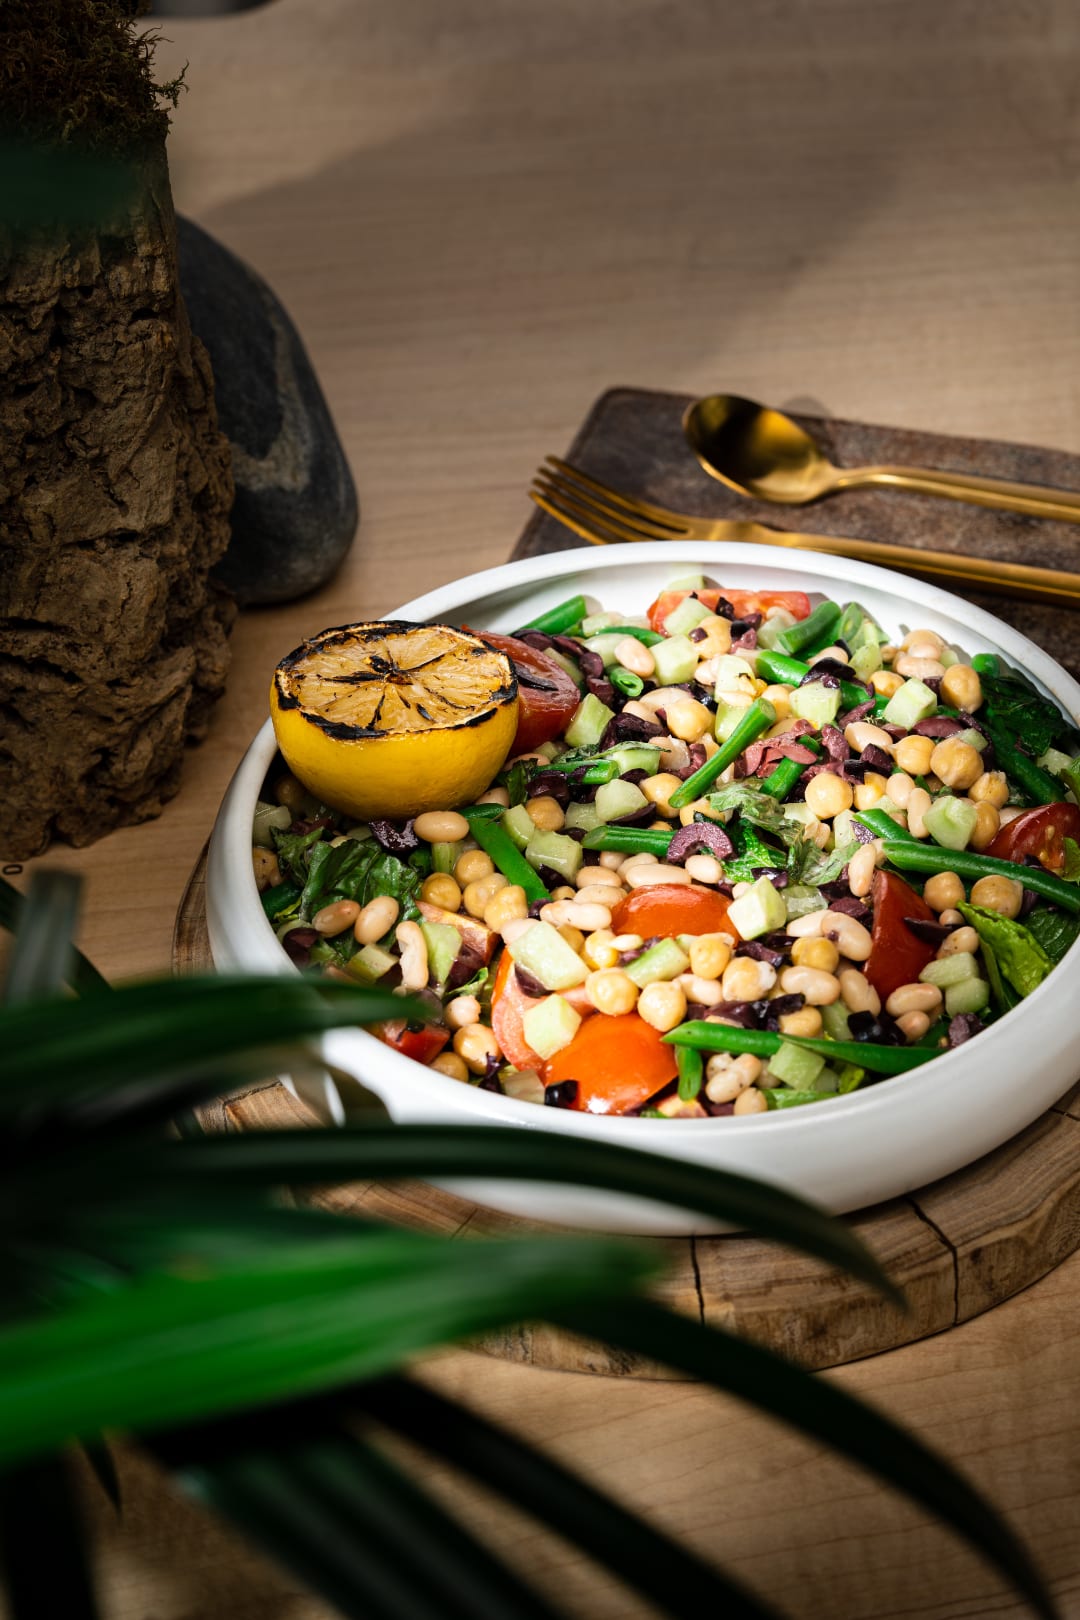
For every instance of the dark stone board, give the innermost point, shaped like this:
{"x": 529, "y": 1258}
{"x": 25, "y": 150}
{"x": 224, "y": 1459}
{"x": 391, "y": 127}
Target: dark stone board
{"x": 632, "y": 439}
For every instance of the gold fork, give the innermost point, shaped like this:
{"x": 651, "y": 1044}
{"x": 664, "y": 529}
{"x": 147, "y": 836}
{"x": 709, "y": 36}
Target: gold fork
{"x": 604, "y": 517}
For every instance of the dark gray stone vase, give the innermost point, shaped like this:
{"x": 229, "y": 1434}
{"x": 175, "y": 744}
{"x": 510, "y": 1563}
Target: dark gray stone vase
{"x": 296, "y": 510}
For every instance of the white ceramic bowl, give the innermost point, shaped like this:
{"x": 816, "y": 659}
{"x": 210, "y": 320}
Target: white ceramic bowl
{"x": 845, "y": 1153}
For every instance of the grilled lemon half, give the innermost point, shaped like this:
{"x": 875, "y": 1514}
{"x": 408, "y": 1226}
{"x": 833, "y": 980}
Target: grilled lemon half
{"x": 394, "y": 718}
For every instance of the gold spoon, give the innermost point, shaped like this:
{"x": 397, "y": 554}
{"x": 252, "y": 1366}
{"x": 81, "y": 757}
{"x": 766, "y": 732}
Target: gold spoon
{"x": 762, "y": 452}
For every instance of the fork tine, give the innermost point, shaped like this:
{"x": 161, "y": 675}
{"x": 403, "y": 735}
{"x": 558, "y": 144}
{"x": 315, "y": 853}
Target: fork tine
{"x": 676, "y": 521}
{"x": 554, "y": 485}
{"x": 586, "y": 525}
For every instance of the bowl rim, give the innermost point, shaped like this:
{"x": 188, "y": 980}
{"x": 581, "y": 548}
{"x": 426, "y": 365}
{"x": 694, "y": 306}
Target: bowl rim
{"x": 508, "y": 579}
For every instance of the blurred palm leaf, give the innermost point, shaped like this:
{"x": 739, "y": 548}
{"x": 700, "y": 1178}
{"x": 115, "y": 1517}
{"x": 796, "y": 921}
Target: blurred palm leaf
{"x": 158, "y": 1287}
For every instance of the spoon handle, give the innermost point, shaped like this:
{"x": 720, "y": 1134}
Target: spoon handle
{"x": 1031, "y": 499}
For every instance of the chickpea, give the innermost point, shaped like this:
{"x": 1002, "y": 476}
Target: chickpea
{"x": 717, "y": 636}
{"x": 635, "y": 656}
{"x": 474, "y": 1044}
{"x": 292, "y": 794}
{"x": 599, "y": 950}
{"x": 726, "y": 1076}
{"x": 990, "y": 788}
{"x": 686, "y": 814}
{"x": 943, "y": 891}
{"x": 821, "y": 989}
{"x": 478, "y": 895}
{"x": 563, "y": 892}
{"x": 828, "y": 794}
{"x": 658, "y": 790}
{"x": 267, "y": 870}
{"x": 450, "y": 1064}
{"x": 884, "y": 682}
{"x": 440, "y": 889}
{"x": 335, "y": 918}
{"x": 689, "y": 720}
{"x": 961, "y": 687}
{"x": 861, "y": 734}
{"x": 816, "y": 953}
{"x": 1001, "y": 894}
{"x": 961, "y": 939}
{"x": 857, "y": 993}
{"x": 750, "y": 1101}
{"x": 662, "y": 1005}
{"x": 950, "y": 917}
{"x": 573, "y": 936}
{"x": 376, "y": 919}
{"x": 906, "y": 998}
{"x": 612, "y": 991}
{"x": 508, "y": 905}
{"x": 674, "y": 1107}
{"x": 956, "y": 763}
{"x": 987, "y": 822}
{"x": 872, "y": 788}
{"x": 807, "y": 1021}
{"x": 919, "y": 802}
{"x": 780, "y": 698}
{"x": 461, "y": 1011}
{"x": 912, "y": 754}
{"x": 900, "y": 787}
{"x": 474, "y": 864}
{"x": 441, "y": 827}
{"x": 709, "y": 955}
{"x": 913, "y": 1025}
{"x": 545, "y": 812}
{"x": 747, "y": 980}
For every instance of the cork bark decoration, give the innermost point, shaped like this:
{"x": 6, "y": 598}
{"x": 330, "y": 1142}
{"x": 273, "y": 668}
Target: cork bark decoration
{"x": 115, "y": 484}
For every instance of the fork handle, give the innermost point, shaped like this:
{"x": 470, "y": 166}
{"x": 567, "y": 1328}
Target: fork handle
{"x": 1001, "y": 578}
{"x": 1033, "y": 500}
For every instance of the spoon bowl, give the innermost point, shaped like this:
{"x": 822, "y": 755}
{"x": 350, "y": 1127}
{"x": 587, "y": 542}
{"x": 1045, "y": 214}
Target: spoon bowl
{"x": 762, "y": 453}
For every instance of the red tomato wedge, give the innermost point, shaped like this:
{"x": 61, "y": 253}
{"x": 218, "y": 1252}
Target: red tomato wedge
{"x": 668, "y": 909}
{"x": 1041, "y": 832}
{"x": 509, "y": 1004}
{"x": 544, "y": 710}
{"x": 423, "y": 1043}
{"x": 896, "y": 956}
{"x": 618, "y": 1063}
{"x": 742, "y": 603}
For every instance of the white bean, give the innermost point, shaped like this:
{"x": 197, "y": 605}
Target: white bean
{"x": 640, "y": 877}
{"x": 414, "y": 956}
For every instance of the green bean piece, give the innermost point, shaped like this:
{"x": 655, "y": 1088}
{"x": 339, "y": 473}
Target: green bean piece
{"x": 918, "y": 857}
{"x": 605, "y": 770}
{"x": 558, "y": 620}
{"x": 648, "y": 638}
{"x": 279, "y": 898}
{"x": 625, "y": 681}
{"x": 758, "y": 718}
{"x": 779, "y": 782}
{"x": 777, "y": 667}
{"x": 629, "y": 840}
{"x": 985, "y": 664}
{"x": 1039, "y": 786}
{"x": 809, "y": 635}
{"x": 784, "y": 1097}
{"x": 882, "y": 825}
{"x": 763, "y": 1043}
{"x": 691, "y": 1072}
{"x": 481, "y": 812}
{"x": 504, "y": 852}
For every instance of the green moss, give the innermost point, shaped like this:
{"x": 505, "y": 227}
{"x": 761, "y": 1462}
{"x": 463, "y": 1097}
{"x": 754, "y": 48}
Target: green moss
{"x": 78, "y": 74}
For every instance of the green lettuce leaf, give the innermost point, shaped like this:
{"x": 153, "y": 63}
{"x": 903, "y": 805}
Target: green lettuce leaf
{"x": 1071, "y": 869}
{"x": 1020, "y": 957}
{"x": 757, "y": 808}
{"x": 1055, "y": 931}
{"x": 359, "y": 871}
{"x": 295, "y": 852}
{"x": 1012, "y": 701}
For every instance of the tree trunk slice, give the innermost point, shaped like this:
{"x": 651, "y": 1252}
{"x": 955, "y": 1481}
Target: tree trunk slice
{"x": 957, "y": 1248}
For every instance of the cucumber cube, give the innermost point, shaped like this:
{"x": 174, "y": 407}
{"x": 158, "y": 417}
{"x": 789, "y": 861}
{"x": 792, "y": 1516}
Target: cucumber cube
{"x": 593, "y": 623}
{"x": 550, "y": 1025}
{"x": 519, "y": 824}
{"x": 544, "y": 953}
{"x": 572, "y": 669}
{"x": 796, "y": 1066}
{"x": 1054, "y": 761}
{"x": 972, "y": 737}
{"x": 618, "y": 798}
{"x": 948, "y": 970}
{"x": 733, "y": 674}
{"x": 664, "y": 960}
{"x": 970, "y": 996}
{"x": 834, "y": 1019}
{"x": 443, "y": 945}
{"x": 729, "y": 711}
{"x": 912, "y": 703}
{"x": 866, "y": 661}
{"x": 589, "y": 722}
{"x": 951, "y": 822}
{"x": 686, "y": 582}
{"x": 816, "y": 702}
{"x": 563, "y": 855}
{"x": 583, "y": 816}
{"x": 635, "y": 757}
{"x": 444, "y": 857}
{"x": 686, "y": 617}
{"x": 759, "y": 911}
{"x": 800, "y": 899}
{"x": 370, "y": 962}
{"x": 676, "y": 660}
{"x": 604, "y": 646}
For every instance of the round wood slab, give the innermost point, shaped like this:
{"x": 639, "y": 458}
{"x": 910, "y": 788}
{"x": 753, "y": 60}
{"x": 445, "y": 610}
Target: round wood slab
{"x": 957, "y": 1248}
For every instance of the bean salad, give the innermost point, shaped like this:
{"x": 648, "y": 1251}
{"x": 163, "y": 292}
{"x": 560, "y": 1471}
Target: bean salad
{"x": 747, "y": 853}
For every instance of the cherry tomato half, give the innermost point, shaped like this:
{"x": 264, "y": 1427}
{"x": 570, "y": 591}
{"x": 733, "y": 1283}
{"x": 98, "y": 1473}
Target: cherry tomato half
{"x": 668, "y": 909}
{"x": 422, "y": 1042}
{"x": 544, "y": 710}
{"x": 618, "y": 1063}
{"x": 896, "y": 956}
{"x": 742, "y": 603}
{"x": 1041, "y": 832}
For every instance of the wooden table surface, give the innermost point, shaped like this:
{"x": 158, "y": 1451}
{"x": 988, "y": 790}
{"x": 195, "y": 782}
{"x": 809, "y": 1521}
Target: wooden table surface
{"x": 481, "y": 214}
